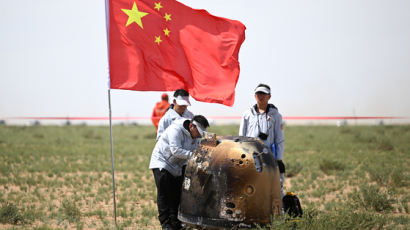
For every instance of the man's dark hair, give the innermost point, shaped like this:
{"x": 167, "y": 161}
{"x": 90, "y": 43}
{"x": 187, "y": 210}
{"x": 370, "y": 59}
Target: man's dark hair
{"x": 181, "y": 92}
{"x": 263, "y": 85}
{"x": 201, "y": 120}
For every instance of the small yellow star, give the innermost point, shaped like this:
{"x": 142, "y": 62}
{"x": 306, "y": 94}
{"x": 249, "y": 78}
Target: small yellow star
{"x": 166, "y": 32}
{"x": 157, "y": 5}
{"x": 158, "y": 39}
{"x": 167, "y": 17}
{"x": 134, "y": 15}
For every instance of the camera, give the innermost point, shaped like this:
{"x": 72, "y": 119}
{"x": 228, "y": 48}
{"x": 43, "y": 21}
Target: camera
{"x": 263, "y": 136}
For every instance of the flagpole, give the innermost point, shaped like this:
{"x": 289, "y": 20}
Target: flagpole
{"x": 107, "y": 24}
{"x": 112, "y": 158}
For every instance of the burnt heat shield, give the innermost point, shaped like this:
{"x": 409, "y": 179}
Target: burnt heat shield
{"x": 230, "y": 182}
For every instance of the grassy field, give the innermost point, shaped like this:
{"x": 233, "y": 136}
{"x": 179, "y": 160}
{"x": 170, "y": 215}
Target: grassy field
{"x": 351, "y": 177}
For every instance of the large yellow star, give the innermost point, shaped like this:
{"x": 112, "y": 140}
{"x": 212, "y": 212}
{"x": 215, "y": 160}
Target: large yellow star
{"x": 157, "y": 5}
{"x": 134, "y": 15}
{"x": 158, "y": 39}
{"x": 167, "y": 17}
{"x": 166, "y": 32}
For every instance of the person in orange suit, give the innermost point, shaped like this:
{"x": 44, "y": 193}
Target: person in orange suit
{"x": 159, "y": 110}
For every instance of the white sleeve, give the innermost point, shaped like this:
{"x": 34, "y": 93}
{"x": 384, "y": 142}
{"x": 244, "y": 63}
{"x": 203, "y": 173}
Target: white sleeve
{"x": 279, "y": 138}
{"x": 163, "y": 124}
{"x": 243, "y": 126}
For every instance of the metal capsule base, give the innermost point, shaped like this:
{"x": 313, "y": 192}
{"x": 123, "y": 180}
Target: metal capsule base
{"x": 230, "y": 182}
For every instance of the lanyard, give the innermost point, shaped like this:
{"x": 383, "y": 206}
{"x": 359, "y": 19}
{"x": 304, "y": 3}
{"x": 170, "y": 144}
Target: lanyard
{"x": 268, "y": 126}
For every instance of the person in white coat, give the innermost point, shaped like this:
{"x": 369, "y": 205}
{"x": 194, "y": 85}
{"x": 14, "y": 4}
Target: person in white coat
{"x": 170, "y": 154}
{"x": 177, "y": 110}
{"x": 264, "y": 121}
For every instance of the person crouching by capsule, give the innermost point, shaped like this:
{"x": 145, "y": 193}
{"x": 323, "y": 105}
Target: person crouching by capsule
{"x": 264, "y": 121}
{"x": 170, "y": 154}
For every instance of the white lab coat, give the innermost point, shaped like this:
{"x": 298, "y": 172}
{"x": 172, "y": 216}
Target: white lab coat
{"x": 169, "y": 117}
{"x": 173, "y": 148}
{"x": 270, "y": 123}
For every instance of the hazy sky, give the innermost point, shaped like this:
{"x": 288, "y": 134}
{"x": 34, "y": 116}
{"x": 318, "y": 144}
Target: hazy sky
{"x": 320, "y": 57}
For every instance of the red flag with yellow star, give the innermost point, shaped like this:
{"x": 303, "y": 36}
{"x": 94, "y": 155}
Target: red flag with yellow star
{"x": 163, "y": 45}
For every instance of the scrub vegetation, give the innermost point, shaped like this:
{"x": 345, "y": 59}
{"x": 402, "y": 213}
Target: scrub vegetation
{"x": 349, "y": 177}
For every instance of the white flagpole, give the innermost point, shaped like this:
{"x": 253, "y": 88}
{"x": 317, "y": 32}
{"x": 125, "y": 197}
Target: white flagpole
{"x": 107, "y": 23}
{"x": 112, "y": 158}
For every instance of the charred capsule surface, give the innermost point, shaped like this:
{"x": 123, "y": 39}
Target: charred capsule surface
{"x": 230, "y": 181}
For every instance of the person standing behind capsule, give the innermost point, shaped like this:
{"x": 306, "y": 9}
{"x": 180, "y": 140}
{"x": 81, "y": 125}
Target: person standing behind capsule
{"x": 264, "y": 121}
{"x": 177, "y": 110}
{"x": 159, "y": 110}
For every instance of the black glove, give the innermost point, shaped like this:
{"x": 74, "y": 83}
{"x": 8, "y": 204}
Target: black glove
{"x": 281, "y": 166}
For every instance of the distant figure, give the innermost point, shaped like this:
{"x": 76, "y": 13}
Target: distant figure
{"x": 159, "y": 110}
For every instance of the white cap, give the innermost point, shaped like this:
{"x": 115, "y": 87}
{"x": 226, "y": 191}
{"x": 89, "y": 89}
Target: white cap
{"x": 200, "y": 128}
{"x": 181, "y": 100}
{"x": 262, "y": 89}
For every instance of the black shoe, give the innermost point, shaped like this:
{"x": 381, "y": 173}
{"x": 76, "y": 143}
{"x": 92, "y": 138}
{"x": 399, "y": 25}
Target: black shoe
{"x": 176, "y": 224}
{"x": 167, "y": 227}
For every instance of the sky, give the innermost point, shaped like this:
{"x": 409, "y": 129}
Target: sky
{"x": 320, "y": 57}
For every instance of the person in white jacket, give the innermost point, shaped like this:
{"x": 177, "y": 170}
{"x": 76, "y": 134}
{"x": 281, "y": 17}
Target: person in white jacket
{"x": 177, "y": 110}
{"x": 264, "y": 121}
{"x": 170, "y": 154}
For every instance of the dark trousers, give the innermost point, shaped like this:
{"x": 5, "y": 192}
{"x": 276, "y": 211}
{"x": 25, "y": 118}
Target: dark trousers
{"x": 168, "y": 196}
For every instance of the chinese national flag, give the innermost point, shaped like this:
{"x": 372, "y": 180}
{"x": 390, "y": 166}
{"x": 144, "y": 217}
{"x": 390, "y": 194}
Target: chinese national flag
{"x": 163, "y": 45}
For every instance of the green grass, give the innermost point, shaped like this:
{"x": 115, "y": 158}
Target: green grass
{"x": 350, "y": 177}
{"x": 9, "y": 214}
